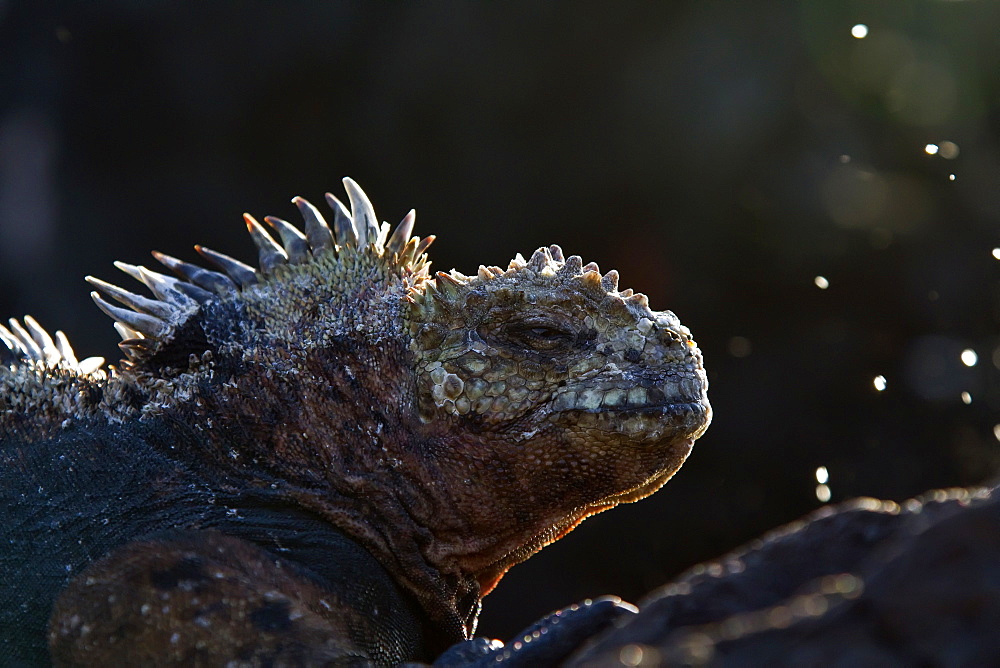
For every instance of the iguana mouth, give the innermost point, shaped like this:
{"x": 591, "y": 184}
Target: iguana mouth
{"x": 667, "y": 396}
{"x": 648, "y": 424}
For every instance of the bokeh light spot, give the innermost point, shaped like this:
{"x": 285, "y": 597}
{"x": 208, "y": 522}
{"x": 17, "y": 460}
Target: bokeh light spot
{"x": 948, "y": 150}
{"x": 822, "y": 475}
{"x": 966, "y": 398}
{"x": 739, "y": 346}
{"x": 821, "y": 282}
{"x": 859, "y": 31}
{"x": 931, "y": 149}
{"x": 969, "y": 357}
{"x": 823, "y": 493}
{"x": 879, "y": 383}
{"x": 631, "y": 655}
{"x": 855, "y": 196}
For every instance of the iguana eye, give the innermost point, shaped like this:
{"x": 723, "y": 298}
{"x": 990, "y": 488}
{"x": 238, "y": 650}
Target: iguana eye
{"x": 537, "y": 336}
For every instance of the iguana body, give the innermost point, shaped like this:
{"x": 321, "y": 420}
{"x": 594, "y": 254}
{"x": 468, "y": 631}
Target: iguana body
{"x": 328, "y": 459}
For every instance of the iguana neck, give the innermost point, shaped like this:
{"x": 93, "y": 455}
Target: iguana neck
{"x": 332, "y": 429}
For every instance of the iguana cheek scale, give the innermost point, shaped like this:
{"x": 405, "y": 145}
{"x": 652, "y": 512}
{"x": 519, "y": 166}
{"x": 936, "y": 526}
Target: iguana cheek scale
{"x": 328, "y": 458}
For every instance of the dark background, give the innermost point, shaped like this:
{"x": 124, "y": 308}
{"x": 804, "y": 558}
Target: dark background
{"x": 721, "y": 155}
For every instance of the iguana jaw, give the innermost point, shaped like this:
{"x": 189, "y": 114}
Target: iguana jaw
{"x": 558, "y": 478}
{"x": 518, "y": 549}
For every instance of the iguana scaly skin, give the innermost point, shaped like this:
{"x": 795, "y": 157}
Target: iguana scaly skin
{"x": 331, "y": 458}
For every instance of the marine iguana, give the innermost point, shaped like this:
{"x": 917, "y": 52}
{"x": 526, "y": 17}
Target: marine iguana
{"x": 327, "y": 459}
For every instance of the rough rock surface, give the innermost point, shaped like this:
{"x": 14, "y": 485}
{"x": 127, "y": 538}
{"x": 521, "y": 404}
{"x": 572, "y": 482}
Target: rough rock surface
{"x": 865, "y": 583}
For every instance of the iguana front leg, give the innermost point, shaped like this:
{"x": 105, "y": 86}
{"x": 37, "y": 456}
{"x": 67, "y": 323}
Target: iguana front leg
{"x": 205, "y": 598}
{"x": 547, "y": 642}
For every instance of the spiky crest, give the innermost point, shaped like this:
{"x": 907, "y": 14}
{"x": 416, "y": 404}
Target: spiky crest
{"x": 147, "y": 324}
{"x": 31, "y": 344}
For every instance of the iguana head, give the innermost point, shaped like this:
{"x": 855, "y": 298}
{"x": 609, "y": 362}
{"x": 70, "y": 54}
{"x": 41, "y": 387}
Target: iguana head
{"x": 550, "y": 345}
{"x": 452, "y": 424}
{"x": 571, "y": 396}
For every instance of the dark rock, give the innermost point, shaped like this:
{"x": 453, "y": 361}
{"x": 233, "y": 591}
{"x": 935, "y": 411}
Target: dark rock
{"x": 865, "y": 583}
